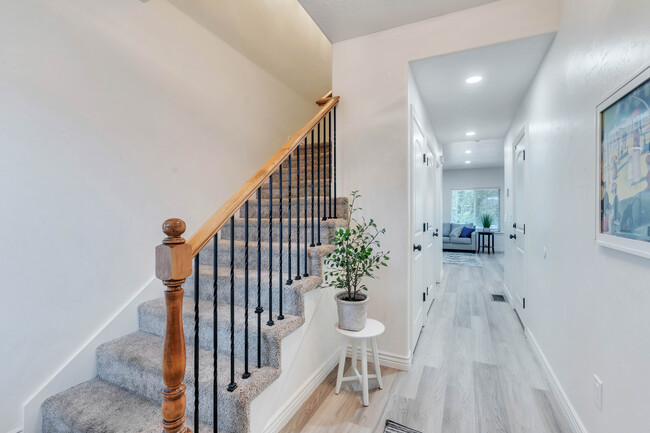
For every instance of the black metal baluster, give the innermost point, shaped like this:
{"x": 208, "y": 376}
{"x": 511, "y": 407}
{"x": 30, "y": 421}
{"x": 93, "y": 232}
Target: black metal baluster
{"x": 270, "y": 321}
{"x": 247, "y": 373}
{"x": 306, "y": 179}
{"x": 319, "y": 180}
{"x": 329, "y": 158}
{"x": 196, "y": 342}
{"x": 280, "y": 316}
{"x": 215, "y": 272}
{"x": 334, "y": 141}
{"x": 259, "y": 310}
{"x": 289, "y": 281}
{"x": 232, "y": 385}
{"x": 298, "y": 276}
{"x": 312, "y": 187}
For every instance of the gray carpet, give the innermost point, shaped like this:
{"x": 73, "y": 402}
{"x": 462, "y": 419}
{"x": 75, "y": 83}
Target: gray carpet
{"x": 127, "y": 393}
{"x": 463, "y": 259}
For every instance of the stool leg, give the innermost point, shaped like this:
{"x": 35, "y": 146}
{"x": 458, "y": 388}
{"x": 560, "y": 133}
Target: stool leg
{"x": 339, "y": 377}
{"x": 354, "y": 353}
{"x": 375, "y": 354}
{"x": 364, "y": 371}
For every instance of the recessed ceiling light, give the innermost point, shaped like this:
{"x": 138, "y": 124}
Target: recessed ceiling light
{"x": 468, "y": 151}
{"x": 468, "y": 162}
{"x": 470, "y": 133}
{"x": 473, "y": 80}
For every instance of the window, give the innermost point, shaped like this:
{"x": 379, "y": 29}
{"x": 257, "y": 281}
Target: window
{"x": 467, "y": 206}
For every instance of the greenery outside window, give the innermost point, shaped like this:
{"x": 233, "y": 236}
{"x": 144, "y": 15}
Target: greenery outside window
{"x": 467, "y": 206}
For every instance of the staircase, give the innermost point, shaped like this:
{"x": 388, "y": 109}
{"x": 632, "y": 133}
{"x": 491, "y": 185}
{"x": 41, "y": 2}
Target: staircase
{"x": 127, "y": 393}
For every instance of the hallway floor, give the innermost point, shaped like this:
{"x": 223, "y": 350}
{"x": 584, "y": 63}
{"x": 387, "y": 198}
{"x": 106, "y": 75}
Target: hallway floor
{"x": 473, "y": 372}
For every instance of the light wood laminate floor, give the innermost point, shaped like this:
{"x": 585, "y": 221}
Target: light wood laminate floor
{"x": 472, "y": 372}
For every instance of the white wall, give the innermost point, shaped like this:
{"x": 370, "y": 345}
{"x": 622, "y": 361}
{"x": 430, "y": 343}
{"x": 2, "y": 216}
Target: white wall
{"x": 114, "y": 116}
{"x": 472, "y": 179}
{"x": 371, "y": 75}
{"x": 587, "y": 306}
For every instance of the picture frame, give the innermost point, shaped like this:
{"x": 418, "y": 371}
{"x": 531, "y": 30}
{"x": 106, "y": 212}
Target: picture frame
{"x": 623, "y": 167}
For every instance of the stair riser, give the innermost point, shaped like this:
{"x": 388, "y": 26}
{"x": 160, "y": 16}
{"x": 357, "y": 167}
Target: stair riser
{"x": 341, "y": 208}
{"x": 292, "y": 300}
{"x": 326, "y": 231}
{"x": 148, "y": 384}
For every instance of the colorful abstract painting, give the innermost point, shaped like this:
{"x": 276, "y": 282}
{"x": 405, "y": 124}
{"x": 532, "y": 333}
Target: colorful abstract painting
{"x": 625, "y": 165}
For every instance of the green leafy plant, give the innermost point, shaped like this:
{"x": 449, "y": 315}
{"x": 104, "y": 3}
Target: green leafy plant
{"x": 486, "y": 220}
{"x": 356, "y": 254}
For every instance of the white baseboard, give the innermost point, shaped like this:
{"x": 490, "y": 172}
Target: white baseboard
{"x": 508, "y": 295}
{"x": 288, "y": 410}
{"x": 556, "y": 388}
{"x": 387, "y": 359}
{"x": 16, "y": 430}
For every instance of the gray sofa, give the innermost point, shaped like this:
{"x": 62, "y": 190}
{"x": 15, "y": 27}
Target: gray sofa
{"x": 457, "y": 243}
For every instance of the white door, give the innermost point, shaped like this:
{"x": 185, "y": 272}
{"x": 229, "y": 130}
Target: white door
{"x": 430, "y": 241}
{"x": 518, "y": 235}
{"x": 418, "y": 226}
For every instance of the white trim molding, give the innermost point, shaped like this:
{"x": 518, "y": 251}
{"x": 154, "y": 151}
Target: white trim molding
{"x": 556, "y": 388}
{"x": 387, "y": 359}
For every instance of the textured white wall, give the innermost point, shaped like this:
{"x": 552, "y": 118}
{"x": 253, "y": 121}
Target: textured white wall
{"x": 371, "y": 75}
{"x": 114, "y": 116}
{"x": 472, "y": 179}
{"x": 587, "y": 306}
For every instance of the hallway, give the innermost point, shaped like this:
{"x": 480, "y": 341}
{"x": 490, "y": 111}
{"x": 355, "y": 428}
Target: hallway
{"x": 473, "y": 371}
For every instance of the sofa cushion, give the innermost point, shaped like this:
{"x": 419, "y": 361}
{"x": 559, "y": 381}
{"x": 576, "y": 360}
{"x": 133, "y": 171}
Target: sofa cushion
{"x": 455, "y": 232}
{"x": 466, "y": 241}
{"x": 466, "y": 232}
{"x": 445, "y": 239}
{"x": 446, "y": 229}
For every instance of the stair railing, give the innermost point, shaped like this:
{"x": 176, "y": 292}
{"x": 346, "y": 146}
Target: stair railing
{"x": 174, "y": 258}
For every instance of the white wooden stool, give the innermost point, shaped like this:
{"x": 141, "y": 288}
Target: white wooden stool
{"x": 372, "y": 329}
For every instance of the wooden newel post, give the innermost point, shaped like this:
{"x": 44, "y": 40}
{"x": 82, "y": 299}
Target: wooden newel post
{"x": 173, "y": 266}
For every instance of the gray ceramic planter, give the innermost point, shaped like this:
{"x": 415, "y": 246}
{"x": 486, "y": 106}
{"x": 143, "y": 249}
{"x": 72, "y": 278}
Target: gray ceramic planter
{"x": 352, "y": 314}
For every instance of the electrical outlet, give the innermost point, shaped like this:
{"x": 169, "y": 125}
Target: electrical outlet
{"x": 598, "y": 388}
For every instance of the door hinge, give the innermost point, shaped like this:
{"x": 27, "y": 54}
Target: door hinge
{"x": 514, "y": 226}
{"x": 424, "y": 227}
{"x": 424, "y": 158}
{"x": 524, "y": 154}
{"x": 424, "y": 296}
{"x": 524, "y": 302}
{"x": 524, "y": 228}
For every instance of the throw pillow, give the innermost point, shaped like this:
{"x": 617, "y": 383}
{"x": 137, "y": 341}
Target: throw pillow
{"x": 456, "y": 232}
{"x": 466, "y": 232}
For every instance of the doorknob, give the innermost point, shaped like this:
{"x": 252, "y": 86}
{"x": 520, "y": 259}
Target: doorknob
{"x": 513, "y": 236}
{"x": 417, "y": 247}
{"x": 436, "y": 233}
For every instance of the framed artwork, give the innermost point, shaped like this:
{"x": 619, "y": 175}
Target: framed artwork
{"x": 623, "y": 168}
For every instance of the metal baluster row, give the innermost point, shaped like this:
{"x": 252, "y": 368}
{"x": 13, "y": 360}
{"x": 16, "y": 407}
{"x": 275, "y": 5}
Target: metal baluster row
{"x": 322, "y": 195}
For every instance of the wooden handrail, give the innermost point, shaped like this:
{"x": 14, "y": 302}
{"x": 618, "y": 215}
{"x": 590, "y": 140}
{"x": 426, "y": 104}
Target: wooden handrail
{"x": 205, "y": 233}
{"x": 323, "y": 100}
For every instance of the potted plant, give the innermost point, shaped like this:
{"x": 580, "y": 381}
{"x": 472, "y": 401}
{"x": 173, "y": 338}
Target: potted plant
{"x": 355, "y": 257}
{"x": 486, "y": 220}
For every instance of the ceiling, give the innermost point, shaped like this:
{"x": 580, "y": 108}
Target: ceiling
{"x": 487, "y": 107}
{"x": 346, "y": 19}
{"x": 485, "y": 154}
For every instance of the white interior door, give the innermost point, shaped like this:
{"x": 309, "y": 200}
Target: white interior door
{"x": 519, "y": 226}
{"x": 418, "y": 225}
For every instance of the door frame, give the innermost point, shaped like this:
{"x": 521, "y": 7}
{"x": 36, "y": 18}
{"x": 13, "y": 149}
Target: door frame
{"x": 519, "y": 304}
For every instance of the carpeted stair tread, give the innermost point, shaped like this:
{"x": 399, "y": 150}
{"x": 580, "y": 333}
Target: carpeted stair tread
{"x": 97, "y": 406}
{"x": 134, "y": 363}
{"x": 292, "y": 294}
{"x": 152, "y": 316}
